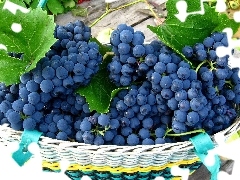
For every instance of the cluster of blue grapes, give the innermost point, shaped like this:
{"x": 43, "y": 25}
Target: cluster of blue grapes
{"x": 45, "y": 98}
{"x": 173, "y": 97}
{"x": 220, "y": 83}
{"x": 136, "y": 116}
{"x": 128, "y": 48}
{"x": 165, "y": 97}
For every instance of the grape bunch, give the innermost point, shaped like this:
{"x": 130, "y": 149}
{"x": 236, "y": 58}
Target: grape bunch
{"x": 128, "y": 48}
{"x": 219, "y": 81}
{"x": 45, "y": 98}
{"x": 164, "y": 100}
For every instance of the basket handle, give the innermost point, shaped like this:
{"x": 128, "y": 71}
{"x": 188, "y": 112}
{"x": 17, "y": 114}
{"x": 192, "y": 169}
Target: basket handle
{"x": 22, "y": 155}
{"x": 202, "y": 144}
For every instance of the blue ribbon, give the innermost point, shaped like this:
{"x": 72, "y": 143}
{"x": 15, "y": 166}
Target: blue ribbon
{"x": 202, "y": 144}
{"x": 42, "y": 3}
{"x": 22, "y": 155}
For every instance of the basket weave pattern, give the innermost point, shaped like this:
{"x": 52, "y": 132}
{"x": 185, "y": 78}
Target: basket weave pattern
{"x": 113, "y": 158}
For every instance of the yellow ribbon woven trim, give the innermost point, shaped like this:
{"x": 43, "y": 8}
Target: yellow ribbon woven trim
{"x": 76, "y": 167}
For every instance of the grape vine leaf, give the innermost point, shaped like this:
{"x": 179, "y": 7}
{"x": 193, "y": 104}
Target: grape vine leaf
{"x": 28, "y": 2}
{"x": 34, "y": 4}
{"x": 34, "y": 40}
{"x": 101, "y": 90}
{"x": 55, "y": 6}
{"x": 177, "y": 34}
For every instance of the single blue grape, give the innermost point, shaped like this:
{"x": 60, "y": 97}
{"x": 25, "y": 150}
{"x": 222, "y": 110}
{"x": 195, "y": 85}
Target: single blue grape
{"x": 62, "y": 125}
{"x": 183, "y": 73}
{"x": 52, "y": 127}
{"x": 98, "y": 140}
{"x": 33, "y": 98}
{"x": 166, "y": 82}
{"x": 148, "y": 141}
{"x": 126, "y": 36}
{"x": 160, "y": 141}
{"x": 151, "y": 59}
{"x": 24, "y": 78}
{"x": 62, "y": 136}
{"x": 179, "y": 127}
{"x": 61, "y": 72}
{"x": 32, "y": 86}
{"x": 14, "y": 117}
{"x": 118, "y": 140}
{"x": 85, "y": 125}
{"x": 28, "y": 109}
{"x": 132, "y": 140}
{"x": 208, "y": 42}
{"x": 196, "y": 104}
{"x": 160, "y": 67}
{"x": 172, "y": 103}
{"x": 29, "y": 124}
{"x": 165, "y": 58}
{"x": 46, "y": 86}
{"x": 124, "y": 48}
{"x": 114, "y": 124}
{"x": 139, "y": 51}
{"x": 103, "y": 120}
{"x": 177, "y": 85}
{"x": 18, "y": 105}
{"x": 221, "y": 73}
{"x": 134, "y": 123}
{"x": 167, "y": 93}
{"x": 160, "y": 132}
{"x": 192, "y": 118}
{"x": 145, "y": 109}
{"x": 115, "y": 38}
{"x": 126, "y": 131}
{"x": 217, "y": 36}
{"x": 184, "y": 105}
{"x": 181, "y": 95}
{"x": 147, "y": 123}
{"x": 48, "y": 73}
{"x": 187, "y": 51}
{"x": 155, "y": 78}
{"x": 171, "y": 68}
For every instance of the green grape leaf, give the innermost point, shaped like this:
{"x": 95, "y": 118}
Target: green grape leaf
{"x": 28, "y": 2}
{"x": 14, "y": 69}
{"x": 79, "y": 11}
{"x": 55, "y": 6}
{"x": 34, "y": 4}
{"x": 69, "y": 4}
{"x": 34, "y": 40}
{"x": 103, "y": 49}
{"x": 20, "y": 3}
{"x": 195, "y": 28}
{"x": 101, "y": 90}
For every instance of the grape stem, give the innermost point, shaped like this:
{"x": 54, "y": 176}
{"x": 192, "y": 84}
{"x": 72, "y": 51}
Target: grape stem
{"x": 108, "y": 54}
{"x": 187, "y": 133}
{"x": 200, "y": 65}
{"x": 152, "y": 11}
{"x": 109, "y": 10}
{"x": 229, "y": 83}
{"x": 211, "y": 65}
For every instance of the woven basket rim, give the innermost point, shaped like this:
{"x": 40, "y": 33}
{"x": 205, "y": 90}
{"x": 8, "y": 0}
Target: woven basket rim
{"x": 166, "y": 146}
{"x": 113, "y": 158}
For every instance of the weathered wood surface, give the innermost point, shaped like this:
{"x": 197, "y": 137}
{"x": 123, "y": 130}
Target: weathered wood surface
{"x": 139, "y": 21}
{"x": 128, "y": 15}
